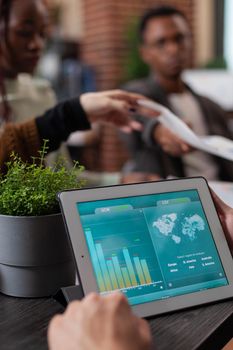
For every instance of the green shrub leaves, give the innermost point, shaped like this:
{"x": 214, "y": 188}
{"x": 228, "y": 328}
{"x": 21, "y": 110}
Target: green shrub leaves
{"x": 30, "y": 189}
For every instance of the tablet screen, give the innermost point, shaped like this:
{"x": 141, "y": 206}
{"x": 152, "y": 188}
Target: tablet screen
{"x": 151, "y": 247}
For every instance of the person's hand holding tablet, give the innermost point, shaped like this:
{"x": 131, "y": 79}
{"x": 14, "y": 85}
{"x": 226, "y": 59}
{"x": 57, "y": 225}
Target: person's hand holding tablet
{"x": 226, "y": 216}
{"x": 159, "y": 243}
{"x": 77, "y": 327}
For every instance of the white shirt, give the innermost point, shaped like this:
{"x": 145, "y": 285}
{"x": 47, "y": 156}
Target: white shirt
{"x": 196, "y": 163}
{"x": 28, "y": 97}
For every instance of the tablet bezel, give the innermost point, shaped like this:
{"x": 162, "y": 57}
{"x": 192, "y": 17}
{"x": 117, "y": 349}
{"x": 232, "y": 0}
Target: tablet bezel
{"x": 69, "y": 199}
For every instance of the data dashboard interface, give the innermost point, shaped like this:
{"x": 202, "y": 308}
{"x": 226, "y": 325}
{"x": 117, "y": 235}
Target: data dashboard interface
{"x": 151, "y": 247}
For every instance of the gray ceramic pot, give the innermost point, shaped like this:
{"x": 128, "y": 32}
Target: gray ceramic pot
{"x": 35, "y": 256}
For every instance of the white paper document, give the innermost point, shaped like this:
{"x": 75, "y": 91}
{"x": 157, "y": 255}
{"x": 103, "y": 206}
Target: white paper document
{"x": 216, "y": 145}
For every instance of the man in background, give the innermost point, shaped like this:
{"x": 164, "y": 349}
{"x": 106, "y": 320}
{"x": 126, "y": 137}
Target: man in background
{"x": 166, "y": 48}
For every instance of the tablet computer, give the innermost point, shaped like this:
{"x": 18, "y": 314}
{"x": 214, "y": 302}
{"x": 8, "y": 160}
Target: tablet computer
{"x": 159, "y": 243}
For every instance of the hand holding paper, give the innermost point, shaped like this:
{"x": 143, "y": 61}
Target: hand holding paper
{"x": 216, "y": 145}
{"x": 170, "y": 142}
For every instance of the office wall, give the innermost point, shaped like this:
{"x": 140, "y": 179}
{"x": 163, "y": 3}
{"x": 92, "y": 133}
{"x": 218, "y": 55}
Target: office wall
{"x": 203, "y": 30}
{"x": 70, "y": 17}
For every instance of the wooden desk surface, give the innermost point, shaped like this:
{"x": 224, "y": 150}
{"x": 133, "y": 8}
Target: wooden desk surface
{"x": 23, "y": 325}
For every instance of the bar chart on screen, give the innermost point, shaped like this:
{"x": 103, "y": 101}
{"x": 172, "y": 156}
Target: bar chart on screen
{"x": 122, "y": 267}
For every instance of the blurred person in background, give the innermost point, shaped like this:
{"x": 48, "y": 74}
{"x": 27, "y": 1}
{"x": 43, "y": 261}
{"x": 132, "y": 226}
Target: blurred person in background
{"x": 166, "y": 46}
{"x": 24, "y": 27}
{"x": 74, "y": 78}
{"x": 23, "y": 32}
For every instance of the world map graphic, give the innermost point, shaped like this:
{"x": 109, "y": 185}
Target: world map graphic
{"x": 189, "y": 226}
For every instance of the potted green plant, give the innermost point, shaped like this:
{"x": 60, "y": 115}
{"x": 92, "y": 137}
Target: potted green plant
{"x": 35, "y": 256}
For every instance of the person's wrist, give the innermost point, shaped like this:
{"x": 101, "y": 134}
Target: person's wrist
{"x": 156, "y": 132}
{"x": 83, "y": 102}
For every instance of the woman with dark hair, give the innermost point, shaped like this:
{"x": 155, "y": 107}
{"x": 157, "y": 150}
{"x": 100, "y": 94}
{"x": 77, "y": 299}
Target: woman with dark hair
{"x": 23, "y": 31}
{"x": 23, "y": 26}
